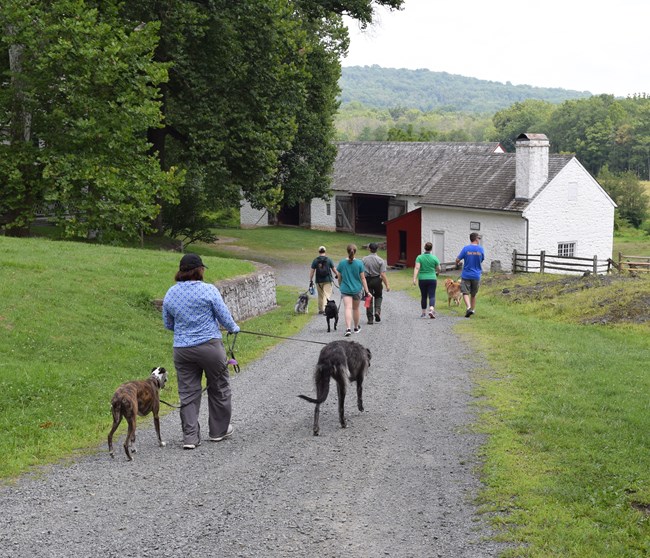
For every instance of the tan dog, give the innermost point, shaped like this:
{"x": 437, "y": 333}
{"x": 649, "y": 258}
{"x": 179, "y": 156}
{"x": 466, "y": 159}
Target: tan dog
{"x": 453, "y": 291}
{"x": 139, "y": 397}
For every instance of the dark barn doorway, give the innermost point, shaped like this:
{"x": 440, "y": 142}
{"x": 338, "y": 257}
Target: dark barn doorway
{"x": 288, "y": 216}
{"x": 371, "y": 214}
{"x": 298, "y": 215}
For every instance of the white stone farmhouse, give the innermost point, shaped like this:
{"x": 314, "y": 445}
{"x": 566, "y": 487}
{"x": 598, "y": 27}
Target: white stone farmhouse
{"x": 529, "y": 201}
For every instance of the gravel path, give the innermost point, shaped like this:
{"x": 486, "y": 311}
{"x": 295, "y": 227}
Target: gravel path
{"x": 398, "y": 482}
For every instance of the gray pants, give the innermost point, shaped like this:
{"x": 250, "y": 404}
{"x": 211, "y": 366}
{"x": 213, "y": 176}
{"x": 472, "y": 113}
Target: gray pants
{"x": 190, "y": 363}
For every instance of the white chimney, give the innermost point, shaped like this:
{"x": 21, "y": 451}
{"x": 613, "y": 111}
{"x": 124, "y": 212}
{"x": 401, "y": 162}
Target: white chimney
{"x": 532, "y": 164}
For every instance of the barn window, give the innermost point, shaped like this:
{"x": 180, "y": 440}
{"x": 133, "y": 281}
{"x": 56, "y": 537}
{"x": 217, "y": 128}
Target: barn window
{"x": 566, "y": 249}
{"x": 328, "y": 208}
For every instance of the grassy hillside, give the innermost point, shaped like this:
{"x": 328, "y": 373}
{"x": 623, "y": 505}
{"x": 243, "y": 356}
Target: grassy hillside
{"x": 76, "y": 321}
{"x": 378, "y": 87}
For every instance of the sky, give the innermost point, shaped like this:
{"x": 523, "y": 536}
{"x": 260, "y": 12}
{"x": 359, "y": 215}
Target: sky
{"x": 600, "y": 46}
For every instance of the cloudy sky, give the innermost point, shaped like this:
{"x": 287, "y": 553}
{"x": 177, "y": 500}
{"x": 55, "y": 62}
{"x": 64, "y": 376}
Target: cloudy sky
{"x": 601, "y": 46}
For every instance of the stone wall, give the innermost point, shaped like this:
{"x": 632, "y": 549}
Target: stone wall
{"x": 249, "y": 295}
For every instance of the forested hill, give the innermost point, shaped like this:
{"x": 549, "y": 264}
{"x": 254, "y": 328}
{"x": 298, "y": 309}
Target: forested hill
{"x": 379, "y": 87}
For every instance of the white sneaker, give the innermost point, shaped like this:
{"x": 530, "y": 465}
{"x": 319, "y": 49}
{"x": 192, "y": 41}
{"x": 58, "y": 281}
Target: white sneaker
{"x": 226, "y": 435}
{"x": 191, "y": 446}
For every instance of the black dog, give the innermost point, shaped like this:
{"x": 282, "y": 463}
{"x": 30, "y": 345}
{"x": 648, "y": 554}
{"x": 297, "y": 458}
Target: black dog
{"x": 345, "y": 361}
{"x": 331, "y": 313}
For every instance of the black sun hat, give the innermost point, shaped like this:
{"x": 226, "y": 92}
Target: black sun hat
{"x": 190, "y": 262}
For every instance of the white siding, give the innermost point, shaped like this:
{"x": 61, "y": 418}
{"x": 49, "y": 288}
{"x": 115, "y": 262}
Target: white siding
{"x": 501, "y": 233}
{"x": 572, "y": 208}
{"x": 249, "y": 217}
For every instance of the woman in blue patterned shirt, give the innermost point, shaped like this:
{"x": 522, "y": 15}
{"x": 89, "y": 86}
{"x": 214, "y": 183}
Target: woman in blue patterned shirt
{"x": 194, "y": 310}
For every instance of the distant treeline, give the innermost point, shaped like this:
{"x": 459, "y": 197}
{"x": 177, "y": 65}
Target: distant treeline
{"x": 425, "y": 90}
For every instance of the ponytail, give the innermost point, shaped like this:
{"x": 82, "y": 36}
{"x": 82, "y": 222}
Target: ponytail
{"x": 352, "y": 250}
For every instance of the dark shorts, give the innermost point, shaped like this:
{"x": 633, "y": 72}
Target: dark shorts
{"x": 469, "y": 286}
{"x": 355, "y": 296}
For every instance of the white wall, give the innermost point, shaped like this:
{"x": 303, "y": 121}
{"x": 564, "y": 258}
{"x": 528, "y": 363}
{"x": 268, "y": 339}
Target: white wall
{"x": 501, "y": 233}
{"x": 249, "y": 217}
{"x": 319, "y": 218}
{"x": 411, "y": 201}
{"x": 572, "y": 208}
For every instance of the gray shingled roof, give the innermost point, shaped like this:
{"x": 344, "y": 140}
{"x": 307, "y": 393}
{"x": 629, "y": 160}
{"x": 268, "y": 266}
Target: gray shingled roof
{"x": 483, "y": 182}
{"x": 395, "y": 168}
{"x": 449, "y": 174}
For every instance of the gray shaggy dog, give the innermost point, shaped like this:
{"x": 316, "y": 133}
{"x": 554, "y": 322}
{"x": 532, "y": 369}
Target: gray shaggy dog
{"x": 302, "y": 304}
{"x": 344, "y": 361}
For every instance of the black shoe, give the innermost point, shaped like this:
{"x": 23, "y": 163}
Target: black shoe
{"x": 377, "y": 318}
{"x": 469, "y": 312}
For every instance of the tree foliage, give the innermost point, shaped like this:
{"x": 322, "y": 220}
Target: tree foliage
{"x": 102, "y": 102}
{"x": 250, "y": 103}
{"x": 628, "y": 193}
{"x": 77, "y": 98}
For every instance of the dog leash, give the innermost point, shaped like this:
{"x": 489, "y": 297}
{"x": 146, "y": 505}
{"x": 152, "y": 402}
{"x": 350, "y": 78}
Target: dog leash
{"x": 230, "y": 349}
{"x": 187, "y": 402}
{"x": 281, "y": 337}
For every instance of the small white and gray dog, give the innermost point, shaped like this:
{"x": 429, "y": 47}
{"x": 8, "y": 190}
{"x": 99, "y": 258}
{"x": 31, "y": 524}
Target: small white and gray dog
{"x": 302, "y": 304}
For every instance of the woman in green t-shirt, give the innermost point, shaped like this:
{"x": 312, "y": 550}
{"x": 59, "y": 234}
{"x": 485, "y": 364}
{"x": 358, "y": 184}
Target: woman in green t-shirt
{"x": 424, "y": 275}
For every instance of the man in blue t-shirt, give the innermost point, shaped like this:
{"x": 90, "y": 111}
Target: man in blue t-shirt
{"x": 472, "y": 255}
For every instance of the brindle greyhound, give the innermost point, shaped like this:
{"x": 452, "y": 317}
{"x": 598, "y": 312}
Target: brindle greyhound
{"x": 138, "y": 397}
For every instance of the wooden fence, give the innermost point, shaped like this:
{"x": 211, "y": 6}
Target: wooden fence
{"x": 543, "y": 262}
{"x": 632, "y": 263}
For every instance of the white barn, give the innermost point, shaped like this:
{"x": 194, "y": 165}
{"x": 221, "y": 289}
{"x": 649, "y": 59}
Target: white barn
{"x": 528, "y": 201}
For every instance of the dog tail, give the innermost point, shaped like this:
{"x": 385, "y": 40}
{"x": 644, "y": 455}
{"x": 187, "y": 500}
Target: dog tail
{"x": 322, "y": 377}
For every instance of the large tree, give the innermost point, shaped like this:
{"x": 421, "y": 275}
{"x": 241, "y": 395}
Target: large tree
{"x": 78, "y": 94}
{"x": 250, "y": 103}
{"x": 304, "y": 169}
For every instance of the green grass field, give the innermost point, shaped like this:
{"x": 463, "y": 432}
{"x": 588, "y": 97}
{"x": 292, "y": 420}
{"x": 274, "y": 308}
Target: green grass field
{"x": 563, "y": 391}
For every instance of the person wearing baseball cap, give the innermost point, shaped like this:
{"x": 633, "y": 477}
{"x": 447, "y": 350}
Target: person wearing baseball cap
{"x": 322, "y": 269}
{"x": 194, "y": 310}
{"x": 375, "y": 270}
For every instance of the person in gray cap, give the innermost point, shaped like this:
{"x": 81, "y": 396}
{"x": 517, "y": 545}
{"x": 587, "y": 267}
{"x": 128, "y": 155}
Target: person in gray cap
{"x": 194, "y": 310}
{"x": 322, "y": 269}
{"x": 375, "y": 270}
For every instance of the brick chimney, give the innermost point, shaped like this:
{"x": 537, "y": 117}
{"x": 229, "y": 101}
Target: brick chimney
{"x": 532, "y": 164}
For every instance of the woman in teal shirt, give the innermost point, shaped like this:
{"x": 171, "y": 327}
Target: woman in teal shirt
{"x": 424, "y": 275}
{"x": 352, "y": 283}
